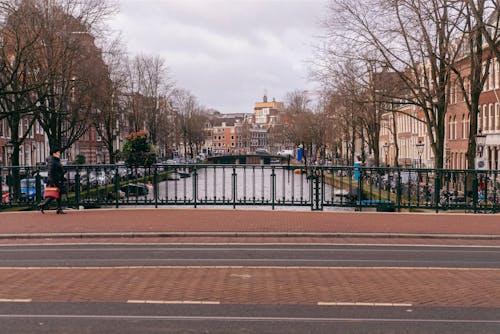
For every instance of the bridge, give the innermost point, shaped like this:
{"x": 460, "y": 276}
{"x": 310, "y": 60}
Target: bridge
{"x": 250, "y": 159}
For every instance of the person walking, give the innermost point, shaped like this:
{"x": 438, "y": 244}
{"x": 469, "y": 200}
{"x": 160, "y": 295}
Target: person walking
{"x": 55, "y": 178}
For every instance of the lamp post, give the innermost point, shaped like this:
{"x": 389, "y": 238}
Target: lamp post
{"x": 480, "y": 143}
{"x": 420, "y": 149}
{"x": 386, "y": 152}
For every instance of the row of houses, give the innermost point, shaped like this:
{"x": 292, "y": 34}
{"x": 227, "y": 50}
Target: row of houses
{"x": 412, "y": 137}
{"x": 35, "y": 148}
{"x": 245, "y": 133}
{"x": 225, "y": 134}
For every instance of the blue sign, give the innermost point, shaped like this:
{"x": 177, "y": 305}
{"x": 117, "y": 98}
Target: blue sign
{"x": 299, "y": 154}
{"x": 357, "y": 172}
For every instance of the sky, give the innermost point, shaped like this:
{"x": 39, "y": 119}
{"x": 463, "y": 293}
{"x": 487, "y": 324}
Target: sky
{"x": 227, "y": 53}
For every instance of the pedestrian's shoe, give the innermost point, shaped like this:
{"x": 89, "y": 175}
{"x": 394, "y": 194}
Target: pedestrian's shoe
{"x": 60, "y": 212}
{"x": 40, "y": 208}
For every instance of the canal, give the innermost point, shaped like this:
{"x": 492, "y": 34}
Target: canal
{"x": 245, "y": 185}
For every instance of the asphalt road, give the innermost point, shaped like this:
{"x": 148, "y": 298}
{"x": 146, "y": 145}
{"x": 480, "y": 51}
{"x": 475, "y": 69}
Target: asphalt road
{"x": 109, "y": 318}
{"x": 256, "y": 288}
{"x": 250, "y": 255}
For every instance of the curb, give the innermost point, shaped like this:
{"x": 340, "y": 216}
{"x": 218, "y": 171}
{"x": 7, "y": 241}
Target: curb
{"x": 91, "y": 235}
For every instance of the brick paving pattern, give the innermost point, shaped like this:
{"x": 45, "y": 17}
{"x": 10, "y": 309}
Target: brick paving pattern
{"x": 256, "y": 285}
{"x": 253, "y": 285}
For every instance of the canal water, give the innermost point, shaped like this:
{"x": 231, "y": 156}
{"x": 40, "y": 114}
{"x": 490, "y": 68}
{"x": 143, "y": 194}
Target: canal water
{"x": 245, "y": 186}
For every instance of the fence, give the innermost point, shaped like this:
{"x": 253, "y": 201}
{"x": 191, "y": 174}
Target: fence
{"x": 316, "y": 187}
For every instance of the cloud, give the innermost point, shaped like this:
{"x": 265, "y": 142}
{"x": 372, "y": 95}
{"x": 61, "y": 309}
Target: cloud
{"x": 226, "y": 52}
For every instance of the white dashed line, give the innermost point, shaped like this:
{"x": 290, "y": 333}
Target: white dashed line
{"x": 190, "y": 302}
{"x": 364, "y": 304}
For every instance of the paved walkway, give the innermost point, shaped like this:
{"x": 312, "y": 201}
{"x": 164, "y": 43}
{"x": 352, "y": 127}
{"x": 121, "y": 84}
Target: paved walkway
{"x": 476, "y": 287}
{"x": 179, "y": 222}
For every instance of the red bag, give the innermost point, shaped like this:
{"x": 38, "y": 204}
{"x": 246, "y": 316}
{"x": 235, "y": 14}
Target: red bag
{"x": 51, "y": 192}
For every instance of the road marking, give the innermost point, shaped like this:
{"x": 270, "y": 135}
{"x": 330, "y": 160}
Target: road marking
{"x": 191, "y": 302}
{"x": 245, "y": 319}
{"x": 77, "y": 243}
{"x": 6, "y": 300}
{"x": 142, "y": 248}
{"x": 249, "y": 267}
{"x": 364, "y": 304}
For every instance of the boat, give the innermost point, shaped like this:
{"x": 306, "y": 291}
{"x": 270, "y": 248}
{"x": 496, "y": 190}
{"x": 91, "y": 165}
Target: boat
{"x": 173, "y": 176}
{"x": 184, "y": 174}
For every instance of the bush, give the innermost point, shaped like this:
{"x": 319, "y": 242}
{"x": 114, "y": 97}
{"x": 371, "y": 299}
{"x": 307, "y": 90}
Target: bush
{"x": 138, "y": 150}
{"x": 80, "y": 159}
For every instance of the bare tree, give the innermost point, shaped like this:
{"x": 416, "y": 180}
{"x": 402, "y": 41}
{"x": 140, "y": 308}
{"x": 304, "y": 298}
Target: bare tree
{"x": 18, "y": 44}
{"x": 70, "y": 65}
{"x": 191, "y": 120}
{"x": 409, "y": 37}
{"x": 471, "y": 70}
{"x": 489, "y": 24}
{"x": 107, "y": 119}
{"x": 149, "y": 89}
{"x": 18, "y": 48}
{"x": 305, "y": 128}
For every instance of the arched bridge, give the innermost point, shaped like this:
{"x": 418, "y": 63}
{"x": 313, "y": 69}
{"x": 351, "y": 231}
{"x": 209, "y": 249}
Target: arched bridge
{"x": 251, "y": 159}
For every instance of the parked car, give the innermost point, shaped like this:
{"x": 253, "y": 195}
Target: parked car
{"x": 135, "y": 189}
{"x": 286, "y": 153}
{"x": 261, "y": 151}
{"x": 112, "y": 195}
{"x": 98, "y": 178}
{"x": 28, "y": 189}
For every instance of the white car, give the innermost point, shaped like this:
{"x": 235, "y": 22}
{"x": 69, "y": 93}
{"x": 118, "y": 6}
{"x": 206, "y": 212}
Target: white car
{"x": 286, "y": 153}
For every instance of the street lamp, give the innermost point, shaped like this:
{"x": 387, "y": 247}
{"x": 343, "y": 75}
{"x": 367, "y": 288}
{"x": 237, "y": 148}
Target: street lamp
{"x": 386, "y": 152}
{"x": 420, "y": 150}
{"x": 480, "y": 143}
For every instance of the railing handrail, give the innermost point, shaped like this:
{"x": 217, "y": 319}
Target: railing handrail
{"x": 314, "y": 186}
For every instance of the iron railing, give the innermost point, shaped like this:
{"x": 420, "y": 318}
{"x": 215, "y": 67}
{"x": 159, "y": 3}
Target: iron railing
{"x": 314, "y": 187}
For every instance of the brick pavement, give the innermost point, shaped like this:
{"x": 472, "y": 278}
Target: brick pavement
{"x": 244, "y": 285}
{"x": 212, "y": 220}
{"x": 256, "y": 285}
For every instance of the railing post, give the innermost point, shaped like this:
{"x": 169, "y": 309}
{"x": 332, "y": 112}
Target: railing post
{"x": 360, "y": 189}
{"x": 155, "y": 185}
{"x": 437, "y": 190}
{"x": 273, "y": 187}
{"x": 195, "y": 186}
{"x": 77, "y": 188}
{"x": 475, "y": 195}
{"x": 398, "y": 191}
{"x": 117, "y": 186}
{"x": 234, "y": 179}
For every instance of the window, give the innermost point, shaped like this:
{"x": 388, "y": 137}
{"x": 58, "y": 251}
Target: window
{"x": 493, "y": 70}
{"x": 490, "y": 118}
{"x": 485, "y": 118}
{"x": 450, "y": 128}
{"x": 491, "y": 75}
{"x": 455, "y": 127}
{"x": 497, "y": 73}
{"x": 497, "y": 115}
{"x": 463, "y": 127}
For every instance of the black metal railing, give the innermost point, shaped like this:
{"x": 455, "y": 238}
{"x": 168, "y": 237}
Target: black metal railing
{"x": 314, "y": 187}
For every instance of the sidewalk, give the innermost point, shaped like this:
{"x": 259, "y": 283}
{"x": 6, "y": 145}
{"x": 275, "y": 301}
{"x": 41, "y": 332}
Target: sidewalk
{"x": 215, "y": 222}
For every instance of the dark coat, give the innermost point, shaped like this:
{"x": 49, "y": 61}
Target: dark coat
{"x": 56, "y": 172}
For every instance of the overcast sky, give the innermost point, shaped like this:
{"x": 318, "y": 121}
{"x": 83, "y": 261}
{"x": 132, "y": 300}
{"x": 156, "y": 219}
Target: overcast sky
{"x": 227, "y": 52}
